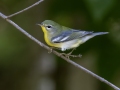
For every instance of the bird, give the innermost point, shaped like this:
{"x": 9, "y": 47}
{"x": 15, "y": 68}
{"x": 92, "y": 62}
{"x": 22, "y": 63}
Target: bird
{"x": 64, "y": 38}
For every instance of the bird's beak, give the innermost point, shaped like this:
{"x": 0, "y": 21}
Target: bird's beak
{"x": 39, "y": 24}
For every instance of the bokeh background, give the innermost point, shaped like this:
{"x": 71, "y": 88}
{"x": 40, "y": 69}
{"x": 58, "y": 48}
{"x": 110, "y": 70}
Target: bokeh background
{"x": 24, "y": 65}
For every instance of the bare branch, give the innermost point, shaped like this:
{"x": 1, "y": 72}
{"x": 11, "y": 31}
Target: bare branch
{"x": 58, "y": 54}
{"x": 24, "y": 9}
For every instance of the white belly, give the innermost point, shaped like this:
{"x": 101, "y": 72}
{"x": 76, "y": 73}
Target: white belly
{"x": 70, "y": 44}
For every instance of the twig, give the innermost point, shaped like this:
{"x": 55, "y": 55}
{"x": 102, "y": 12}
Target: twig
{"x": 58, "y": 54}
{"x": 25, "y": 9}
{"x": 46, "y": 47}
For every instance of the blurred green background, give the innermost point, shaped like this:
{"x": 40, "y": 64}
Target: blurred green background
{"x": 24, "y": 65}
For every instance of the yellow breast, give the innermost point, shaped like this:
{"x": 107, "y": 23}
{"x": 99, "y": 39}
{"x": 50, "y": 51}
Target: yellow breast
{"x": 47, "y": 38}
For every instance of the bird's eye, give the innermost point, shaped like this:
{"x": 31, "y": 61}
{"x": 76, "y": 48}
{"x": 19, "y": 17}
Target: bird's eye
{"x": 49, "y": 26}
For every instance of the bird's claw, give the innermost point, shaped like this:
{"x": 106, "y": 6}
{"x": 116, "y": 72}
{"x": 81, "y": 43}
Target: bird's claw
{"x": 50, "y": 50}
{"x": 70, "y": 55}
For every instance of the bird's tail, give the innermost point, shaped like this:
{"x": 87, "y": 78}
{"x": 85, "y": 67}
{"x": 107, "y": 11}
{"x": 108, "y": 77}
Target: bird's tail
{"x": 99, "y": 33}
{"x": 91, "y": 35}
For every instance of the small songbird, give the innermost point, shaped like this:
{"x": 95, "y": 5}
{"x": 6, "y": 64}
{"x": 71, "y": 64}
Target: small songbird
{"x": 64, "y": 38}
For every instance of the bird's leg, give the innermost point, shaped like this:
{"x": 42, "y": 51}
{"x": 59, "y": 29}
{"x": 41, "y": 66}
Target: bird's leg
{"x": 79, "y": 55}
{"x": 51, "y": 49}
{"x": 71, "y": 51}
{"x": 68, "y": 55}
{"x": 64, "y": 54}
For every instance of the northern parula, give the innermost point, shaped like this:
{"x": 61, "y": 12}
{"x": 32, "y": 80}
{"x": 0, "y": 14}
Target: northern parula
{"x": 64, "y": 38}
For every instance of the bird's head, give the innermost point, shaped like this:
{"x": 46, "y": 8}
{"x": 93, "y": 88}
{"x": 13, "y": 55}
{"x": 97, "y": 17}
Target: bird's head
{"x": 50, "y": 26}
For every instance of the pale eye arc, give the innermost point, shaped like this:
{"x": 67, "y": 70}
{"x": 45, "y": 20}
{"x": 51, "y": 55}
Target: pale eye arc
{"x": 49, "y": 26}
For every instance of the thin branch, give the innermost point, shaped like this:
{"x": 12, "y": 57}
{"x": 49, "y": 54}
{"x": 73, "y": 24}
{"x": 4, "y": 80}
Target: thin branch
{"x": 58, "y": 54}
{"x": 25, "y": 9}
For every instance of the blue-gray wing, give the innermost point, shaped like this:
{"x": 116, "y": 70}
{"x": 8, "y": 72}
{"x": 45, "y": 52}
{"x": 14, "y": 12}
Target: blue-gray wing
{"x": 70, "y": 35}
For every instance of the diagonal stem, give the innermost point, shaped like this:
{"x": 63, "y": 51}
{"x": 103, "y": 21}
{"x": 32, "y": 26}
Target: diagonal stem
{"x": 58, "y": 54}
{"x": 25, "y": 9}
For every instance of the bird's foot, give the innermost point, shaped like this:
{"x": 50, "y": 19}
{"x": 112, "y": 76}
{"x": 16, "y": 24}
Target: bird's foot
{"x": 50, "y": 50}
{"x": 68, "y": 55}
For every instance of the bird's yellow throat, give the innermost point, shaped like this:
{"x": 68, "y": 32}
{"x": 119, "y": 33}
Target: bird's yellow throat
{"x": 47, "y": 39}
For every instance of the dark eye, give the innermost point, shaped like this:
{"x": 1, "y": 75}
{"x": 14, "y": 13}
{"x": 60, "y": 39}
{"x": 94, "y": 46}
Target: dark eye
{"x": 49, "y": 26}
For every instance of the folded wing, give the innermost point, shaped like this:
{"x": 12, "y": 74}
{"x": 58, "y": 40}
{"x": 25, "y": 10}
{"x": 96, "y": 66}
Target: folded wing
{"x": 70, "y": 35}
